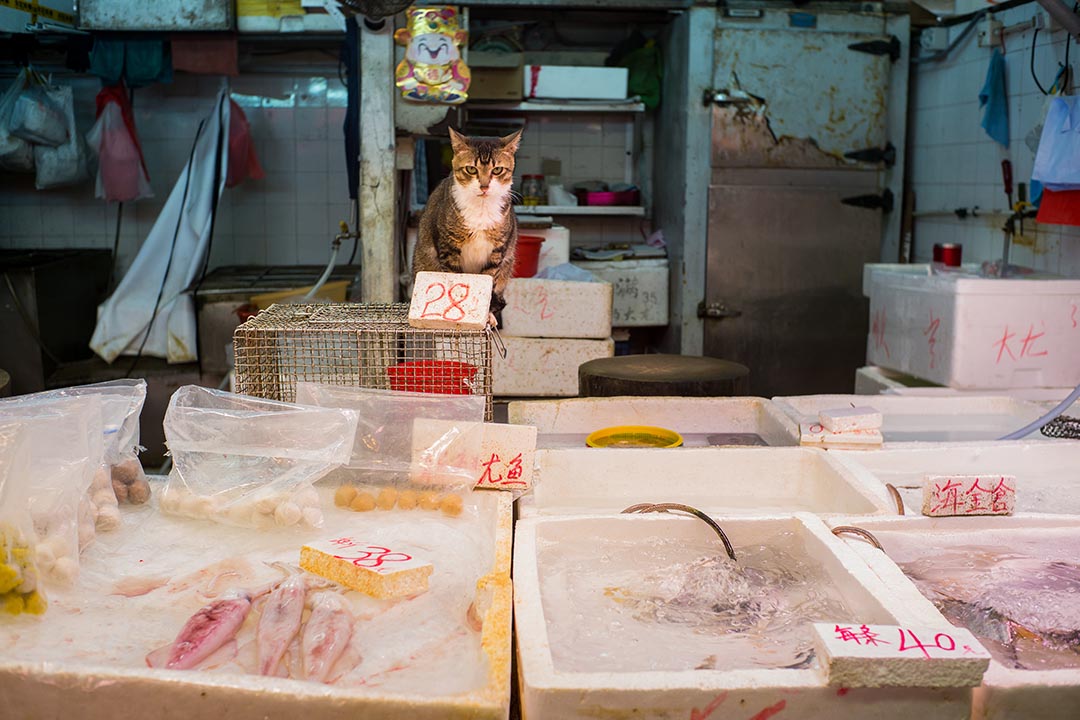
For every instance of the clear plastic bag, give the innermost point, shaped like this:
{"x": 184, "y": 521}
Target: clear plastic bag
{"x": 16, "y": 154}
{"x": 38, "y": 115}
{"x": 63, "y": 442}
{"x": 121, "y": 175}
{"x": 250, "y": 462}
{"x": 408, "y": 436}
{"x": 64, "y": 164}
{"x": 20, "y": 587}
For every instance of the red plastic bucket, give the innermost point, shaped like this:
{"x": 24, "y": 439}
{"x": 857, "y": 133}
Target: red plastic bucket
{"x": 445, "y": 377}
{"x": 528, "y": 255}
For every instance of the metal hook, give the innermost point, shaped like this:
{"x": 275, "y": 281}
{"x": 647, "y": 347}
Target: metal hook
{"x": 665, "y": 507}
{"x": 496, "y": 338}
{"x": 896, "y": 497}
{"x": 864, "y": 534}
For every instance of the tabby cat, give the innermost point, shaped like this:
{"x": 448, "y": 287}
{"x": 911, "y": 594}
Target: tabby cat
{"x": 469, "y": 224}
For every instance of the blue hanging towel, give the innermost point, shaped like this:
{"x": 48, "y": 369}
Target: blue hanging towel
{"x": 993, "y": 100}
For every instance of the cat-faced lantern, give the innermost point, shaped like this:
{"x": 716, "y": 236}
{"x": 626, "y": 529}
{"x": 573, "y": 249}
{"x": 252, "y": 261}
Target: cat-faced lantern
{"x": 432, "y": 70}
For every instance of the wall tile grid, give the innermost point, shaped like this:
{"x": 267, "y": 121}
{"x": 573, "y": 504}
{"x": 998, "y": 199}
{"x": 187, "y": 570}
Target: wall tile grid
{"x": 956, "y": 164}
{"x": 288, "y": 217}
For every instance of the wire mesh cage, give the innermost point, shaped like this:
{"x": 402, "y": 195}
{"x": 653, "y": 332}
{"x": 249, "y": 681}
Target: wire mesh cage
{"x": 370, "y": 346}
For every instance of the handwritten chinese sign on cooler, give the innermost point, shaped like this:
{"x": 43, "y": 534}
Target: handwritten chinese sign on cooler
{"x": 969, "y": 495}
{"x": 450, "y": 300}
{"x": 506, "y": 458}
{"x": 859, "y": 655}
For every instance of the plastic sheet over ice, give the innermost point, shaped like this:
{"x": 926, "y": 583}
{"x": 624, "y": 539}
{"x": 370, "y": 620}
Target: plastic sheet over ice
{"x": 664, "y": 604}
{"x": 1019, "y": 593}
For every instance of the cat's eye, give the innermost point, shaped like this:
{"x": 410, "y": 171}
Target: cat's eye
{"x": 471, "y": 170}
{"x": 497, "y": 171}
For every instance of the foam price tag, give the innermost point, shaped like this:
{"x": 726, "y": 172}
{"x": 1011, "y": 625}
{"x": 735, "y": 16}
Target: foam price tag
{"x": 857, "y": 655}
{"x": 969, "y": 495}
{"x": 506, "y": 460}
{"x": 447, "y": 301}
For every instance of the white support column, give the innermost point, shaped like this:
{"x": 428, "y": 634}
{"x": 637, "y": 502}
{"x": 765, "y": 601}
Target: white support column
{"x": 378, "y": 178}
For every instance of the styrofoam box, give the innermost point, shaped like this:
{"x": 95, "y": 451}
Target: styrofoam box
{"x": 874, "y": 380}
{"x": 566, "y": 423}
{"x": 544, "y": 367}
{"x": 50, "y": 669}
{"x": 925, "y": 419}
{"x": 970, "y": 332}
{"x": 1006, "y": 693}
{"x": 547, "y": 694}
{"x": 564, "y": 82}
{"x": 555, "y": 249}
{"x": 715, "y": 480}
{"x": 557, "y": 309}
{"x": 1046, "y": 472}
{"x": 640, "y": 296}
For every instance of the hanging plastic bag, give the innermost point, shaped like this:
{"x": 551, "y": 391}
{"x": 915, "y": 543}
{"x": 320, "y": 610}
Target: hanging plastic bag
{"x": 243, "y": 163}
{"x": 16, "y": 154}
{"x": 121, "y": 175}
{"x": 1056, "y": 165}
{"x": 21, "y": 590}
{"x": 64, "y": 164}
{"x": 412, "y": 450}
{"x": 38, "y": 115}
{"x": 250, "y": 462}
{"x": 63, "y": 441}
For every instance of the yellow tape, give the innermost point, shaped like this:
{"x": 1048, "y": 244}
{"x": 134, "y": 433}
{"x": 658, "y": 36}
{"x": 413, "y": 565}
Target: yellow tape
{"x": 36, "y": 9}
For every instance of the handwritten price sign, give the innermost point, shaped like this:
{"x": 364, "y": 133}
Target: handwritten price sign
{"x": 859, "y": 655}
{"x": 450, "y": 300}
{"x": 969, "y": 495}
{"x": 371, "y": 557}
{"x": 506, "y": 458}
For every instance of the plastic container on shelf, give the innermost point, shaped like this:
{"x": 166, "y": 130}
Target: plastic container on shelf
{"x": 528, "y": 255}
{"x": 533, "y": 191}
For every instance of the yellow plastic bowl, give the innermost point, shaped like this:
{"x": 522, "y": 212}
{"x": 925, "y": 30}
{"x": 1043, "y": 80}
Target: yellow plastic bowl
{"x": 634, "y": 436}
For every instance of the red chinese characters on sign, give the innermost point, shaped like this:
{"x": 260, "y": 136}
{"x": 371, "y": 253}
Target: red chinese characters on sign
{"x": 499, "y": 473}
{"x": 877, "y": 329}
{"x": 931, "y": 337}
{"x": 455, "y": 295}
{"x": 542, "y": 305}
{"x": 970, "y": 495}
{"x": 948, "y": 496}
{"x": 367, "y": 556}
{"x": 1025, "y": 348}
{"x": 863, "y": 636}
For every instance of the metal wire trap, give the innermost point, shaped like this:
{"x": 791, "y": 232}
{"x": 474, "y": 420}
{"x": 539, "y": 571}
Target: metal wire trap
{"x": 359, "y": 345}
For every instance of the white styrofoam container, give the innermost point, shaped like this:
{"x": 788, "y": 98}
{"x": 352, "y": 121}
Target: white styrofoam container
{"x": 925, "y": 419}
{"x": 970, "y": 332}
{"x": 557, "y": 309}
{"x": 1046, "y": 472}
{"x": 90, "y": 689}
{"x": 1006, "y": 693}
{"x": 543, "y": 367}
{"x": 874, "y": 380}
{"x": 547, "y": 694}
{"x": 566, "y": 423}
{"x": 564, "y": 82}
{"x": 640, "y": 289}
{"x": 555, "y": 250}
{"x": 719, "y": 481}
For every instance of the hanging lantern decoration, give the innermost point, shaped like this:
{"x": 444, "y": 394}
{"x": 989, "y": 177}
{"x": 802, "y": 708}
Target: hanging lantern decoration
{"x": 433, "y": 70}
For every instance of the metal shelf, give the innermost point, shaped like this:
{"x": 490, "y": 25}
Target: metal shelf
{"x": 609, "y": 210}
{"x": 560, "y": 106}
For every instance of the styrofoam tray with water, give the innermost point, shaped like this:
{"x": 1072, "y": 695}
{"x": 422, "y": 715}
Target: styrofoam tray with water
{"x": 925, "y": 419}
{"x": 716, "y": 480}
{"x": 1007, "y": 691}
{"x": 594, "y": 641}
{"x": 1047, "y": 473}
{"x": 701, "y": 421}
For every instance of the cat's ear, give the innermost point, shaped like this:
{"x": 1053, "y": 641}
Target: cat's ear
{"x": 458, "y": 141}
{"x": 510, "y": 142}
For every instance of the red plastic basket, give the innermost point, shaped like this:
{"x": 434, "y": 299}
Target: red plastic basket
{"x": 527, "y": 259}
{"x": 444, "y": 377}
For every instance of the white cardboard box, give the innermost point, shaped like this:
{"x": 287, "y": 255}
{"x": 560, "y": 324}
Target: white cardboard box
{"x": 640, "y": 290}
{"x": 543, "y": 367}
{"x": 970, "y": 332}
{"x": 563, "y": 82}
{"x": 557, "y": 309}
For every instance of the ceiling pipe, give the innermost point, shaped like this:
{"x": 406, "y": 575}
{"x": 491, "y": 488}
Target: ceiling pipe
{"x": 1063, "y": 15}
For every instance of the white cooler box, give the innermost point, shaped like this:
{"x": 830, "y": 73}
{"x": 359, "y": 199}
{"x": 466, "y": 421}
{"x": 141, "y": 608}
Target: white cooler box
{"x": 640, "y": 296}
{"x": 968, "y": 332}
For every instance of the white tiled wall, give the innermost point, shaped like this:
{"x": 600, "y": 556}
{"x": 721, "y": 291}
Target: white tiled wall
{"x": 955, "y": 163}
{"x": 287, "y": 217}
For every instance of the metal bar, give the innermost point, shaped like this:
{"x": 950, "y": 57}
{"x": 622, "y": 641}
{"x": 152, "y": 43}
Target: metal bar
{"x": 1064, "y": 16}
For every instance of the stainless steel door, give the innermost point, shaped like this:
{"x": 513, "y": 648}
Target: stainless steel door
{"x": 784, "y": 250}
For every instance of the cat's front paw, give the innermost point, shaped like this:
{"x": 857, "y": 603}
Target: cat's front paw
{"x": 492, "y": 320}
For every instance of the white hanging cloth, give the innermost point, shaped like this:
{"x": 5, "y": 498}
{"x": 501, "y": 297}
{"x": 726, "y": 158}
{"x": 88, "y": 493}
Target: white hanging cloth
{"x": 170, "y": 259}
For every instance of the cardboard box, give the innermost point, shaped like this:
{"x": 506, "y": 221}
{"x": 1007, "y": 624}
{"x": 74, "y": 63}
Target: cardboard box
{"x": 495, "y": 76}
{"x": 560, "y": 82}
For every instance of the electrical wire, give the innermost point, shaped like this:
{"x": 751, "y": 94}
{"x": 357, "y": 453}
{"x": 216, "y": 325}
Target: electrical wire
{"x": 28, "y": 321}
{"x": 1034, "y": 39}
{"x": 1048, "y": 417}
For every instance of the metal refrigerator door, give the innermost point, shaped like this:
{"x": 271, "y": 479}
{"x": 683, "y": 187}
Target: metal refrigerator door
{"x": 788, "y": 259}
